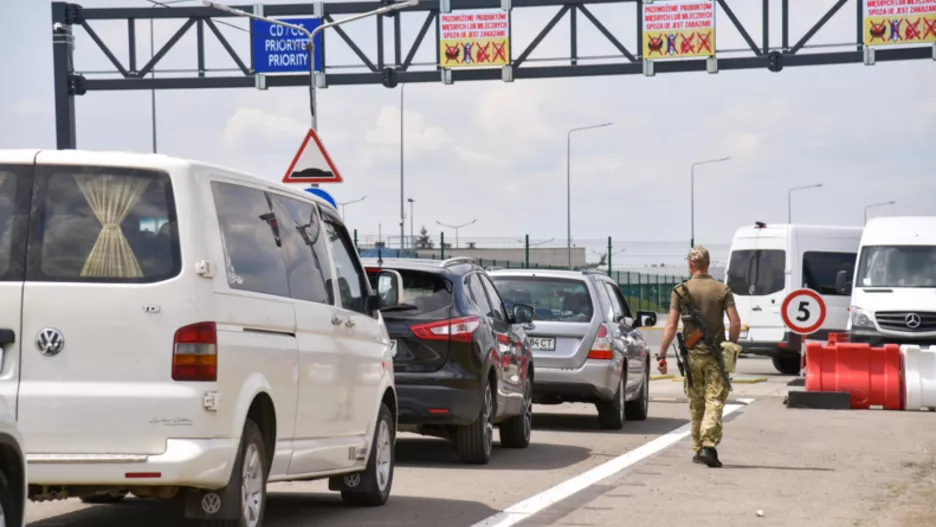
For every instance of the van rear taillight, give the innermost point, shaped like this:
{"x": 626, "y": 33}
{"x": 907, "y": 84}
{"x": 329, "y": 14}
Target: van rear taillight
{"x": 195, "y": 353}
{"x": 601, "y": 348}
{"x": 457, "y": 329}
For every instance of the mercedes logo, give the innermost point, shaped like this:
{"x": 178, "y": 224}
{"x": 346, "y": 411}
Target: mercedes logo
{"x": 913, "y": 320}
{"x": 50, "y": 342}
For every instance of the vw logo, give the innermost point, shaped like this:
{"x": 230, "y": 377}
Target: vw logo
{"x": 211, "y": 503}
{"x": 913, "y": 320}
{"x": 352, "y": 480}
{"x": 50, "y": 342}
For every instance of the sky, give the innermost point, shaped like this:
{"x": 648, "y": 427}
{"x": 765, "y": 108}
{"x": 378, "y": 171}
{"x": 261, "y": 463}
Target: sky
{"x": 496, "y": 151}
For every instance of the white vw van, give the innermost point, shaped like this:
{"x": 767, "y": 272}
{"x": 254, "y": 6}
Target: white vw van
{"x": 768, "y": 262}
{"x": 893, "y": 293}
{"x": 182, "y": 330}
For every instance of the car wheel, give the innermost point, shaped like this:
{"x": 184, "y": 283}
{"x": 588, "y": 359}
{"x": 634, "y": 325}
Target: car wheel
{"x": 9, "y": 515}
{"x": 475, "y": 441}
{"x": 787, "y": 364}
{"x": 516, "y": 431}
{"x": 611, "y": 413}
{"x": 638, "y": 409}
{"x": 251, "y": 478}
{"x": 103, "y": 499}
{"x": 378, "y": 476}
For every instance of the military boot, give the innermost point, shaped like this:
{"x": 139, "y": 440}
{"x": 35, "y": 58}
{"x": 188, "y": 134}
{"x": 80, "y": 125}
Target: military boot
{"x": 709, "y": 456}
{"x": 697, "y": 459}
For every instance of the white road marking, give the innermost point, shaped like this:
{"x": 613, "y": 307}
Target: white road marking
{"x": 528, "y": 507}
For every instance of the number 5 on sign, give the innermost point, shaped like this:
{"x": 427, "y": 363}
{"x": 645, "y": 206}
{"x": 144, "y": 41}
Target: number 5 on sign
{"x": 803, "y": 311}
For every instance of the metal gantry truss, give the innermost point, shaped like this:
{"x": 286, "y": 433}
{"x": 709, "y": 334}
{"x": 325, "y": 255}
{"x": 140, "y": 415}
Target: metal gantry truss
{"x": 130, "y": 75}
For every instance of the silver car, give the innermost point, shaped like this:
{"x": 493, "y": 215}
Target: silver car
{"x": 585, "y": 341}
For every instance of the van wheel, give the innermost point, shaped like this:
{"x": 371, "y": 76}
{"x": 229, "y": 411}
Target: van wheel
{"x": 516, "y": 431}
{"x": 250, "y": 476}
{"x": 9, "y": 513}
{"x": 475, "y": 441}
{"x": 787, "y": 364}
{"x": 103, "y": 499}
{"x": 378, "y": 476}
{"x": 611, "y": 413}
{"x": 638, "y": 409}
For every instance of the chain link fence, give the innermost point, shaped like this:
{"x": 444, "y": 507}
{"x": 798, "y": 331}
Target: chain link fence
{"x": 645, "y": 271}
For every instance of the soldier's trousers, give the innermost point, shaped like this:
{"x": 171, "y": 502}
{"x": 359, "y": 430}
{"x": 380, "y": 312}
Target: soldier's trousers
{"x": 706, "y": 400}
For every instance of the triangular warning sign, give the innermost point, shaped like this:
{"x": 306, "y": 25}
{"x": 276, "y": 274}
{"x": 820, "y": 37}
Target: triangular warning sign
{"x": 312, "y": 164}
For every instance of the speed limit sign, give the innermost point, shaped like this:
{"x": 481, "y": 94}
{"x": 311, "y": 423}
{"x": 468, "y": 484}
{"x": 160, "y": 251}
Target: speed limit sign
{"x": 803, "y": 311}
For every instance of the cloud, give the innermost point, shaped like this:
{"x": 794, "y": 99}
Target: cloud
{"x": 256, "y": 128}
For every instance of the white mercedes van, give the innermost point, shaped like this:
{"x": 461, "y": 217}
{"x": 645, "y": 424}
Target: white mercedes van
{"x": 893, "y": 292}
{"x": 182, "y": 330}
{"x": 767, "y": 262}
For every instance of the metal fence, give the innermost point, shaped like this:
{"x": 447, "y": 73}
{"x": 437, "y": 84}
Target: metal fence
{"x": 645, "y": 271}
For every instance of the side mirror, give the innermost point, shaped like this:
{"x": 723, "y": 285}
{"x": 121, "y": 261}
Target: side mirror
{"x": 646, "y": 319}
{"x": 389, "y": 288}
{"x": 842, "y": 284}
{"x": 523, "y": 313}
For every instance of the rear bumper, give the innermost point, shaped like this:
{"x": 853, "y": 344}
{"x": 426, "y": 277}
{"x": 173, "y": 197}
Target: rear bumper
{"x": 594, "y": 380}
{"x": 437, "y": 404}
{"x": 201, "y": 463}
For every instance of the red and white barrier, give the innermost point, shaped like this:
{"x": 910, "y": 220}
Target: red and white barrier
{"x": 919, "y": 369}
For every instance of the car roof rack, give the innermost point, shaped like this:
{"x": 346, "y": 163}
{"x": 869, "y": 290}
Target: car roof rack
{"x": 457, "y": 260}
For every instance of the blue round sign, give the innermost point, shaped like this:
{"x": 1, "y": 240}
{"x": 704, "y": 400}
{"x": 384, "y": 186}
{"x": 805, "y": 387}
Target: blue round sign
{"x": 322, "y": 194}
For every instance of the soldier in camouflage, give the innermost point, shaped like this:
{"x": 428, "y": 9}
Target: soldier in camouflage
{"x": 709, "y": 391}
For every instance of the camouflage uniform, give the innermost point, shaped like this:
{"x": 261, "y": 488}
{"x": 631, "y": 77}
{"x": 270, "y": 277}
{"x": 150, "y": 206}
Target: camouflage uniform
{"x": 709, "y": 391}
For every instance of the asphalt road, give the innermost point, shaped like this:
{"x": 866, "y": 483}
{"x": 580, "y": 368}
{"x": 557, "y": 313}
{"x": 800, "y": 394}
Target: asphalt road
{"x": 431, "y": 487}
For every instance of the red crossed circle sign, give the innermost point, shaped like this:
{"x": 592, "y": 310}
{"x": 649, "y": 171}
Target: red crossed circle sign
{"x": 803, "y": 311}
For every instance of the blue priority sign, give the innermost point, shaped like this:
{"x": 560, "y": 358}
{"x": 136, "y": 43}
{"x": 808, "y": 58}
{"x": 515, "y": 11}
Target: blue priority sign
{"x": 280, "y": 49}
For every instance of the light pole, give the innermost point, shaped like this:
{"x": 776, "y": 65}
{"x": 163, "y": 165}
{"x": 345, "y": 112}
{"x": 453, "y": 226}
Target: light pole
{"x": 402, "y": 211}
{"x": 310, "y": 46}
{"x": 569, "y": 185}
{"x": 790, "y": 199}
{"x": 456, "y": 227}
{"x": 875, "y": 205}
{"x": 692, "y": 194}
{"x": 411, "y": 232}
{"x": 342, "y": 204}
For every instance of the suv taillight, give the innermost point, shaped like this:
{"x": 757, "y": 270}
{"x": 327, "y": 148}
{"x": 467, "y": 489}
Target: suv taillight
{"x": 458, "y": 329}
{"x": 195, "y": 353}
{"x": 601, "y": 348}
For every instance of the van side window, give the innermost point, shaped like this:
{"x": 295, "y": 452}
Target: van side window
{"x": 308, "y": 270}
{"x": 348, "y": 270}
{"x": 820, "y": 270}
{"x": 249, "y": 234}
{"x": 12, "y": 225}
{"x": 94, "y": 224}
{"x": 756, "y": 272}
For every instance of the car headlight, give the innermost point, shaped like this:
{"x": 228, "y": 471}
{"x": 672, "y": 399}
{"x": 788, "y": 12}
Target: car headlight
{"x": 859, "y": 318}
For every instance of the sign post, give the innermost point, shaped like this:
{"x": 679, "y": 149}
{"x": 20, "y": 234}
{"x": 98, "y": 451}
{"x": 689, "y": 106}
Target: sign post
{"x": 803, "y": 312}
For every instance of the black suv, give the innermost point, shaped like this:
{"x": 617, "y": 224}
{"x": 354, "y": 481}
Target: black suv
{"x": 460, "y": 360}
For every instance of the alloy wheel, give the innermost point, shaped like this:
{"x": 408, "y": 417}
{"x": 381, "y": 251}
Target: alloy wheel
{"x": 621, "y": 401}
{"x": 252, "y": 486}
{"x": 384, "y": 455}
{"x": 488, "y": 421}
{"x": 527, "y": 410}
{"x": 2, "y": 515}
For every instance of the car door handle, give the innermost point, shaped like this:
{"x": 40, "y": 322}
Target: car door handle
{"x": 349, "y": 323}
{"x": 7, "y": 336}
{"x": 336, "y": 320}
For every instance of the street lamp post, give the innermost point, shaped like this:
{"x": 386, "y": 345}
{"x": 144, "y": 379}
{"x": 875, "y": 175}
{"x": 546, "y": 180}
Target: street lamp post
{"x": 342, "y": 204}
{"x": 411, "y": 232}
{"x": 456, "y": 227}
{"x": 310, "y": 47}
{"x": 790, "y": 199}
{"x": 692, "y": 194}
{"x": 569, "y": 185}
{"x": 402, "y": 210}
{"x": 876, "y": 205}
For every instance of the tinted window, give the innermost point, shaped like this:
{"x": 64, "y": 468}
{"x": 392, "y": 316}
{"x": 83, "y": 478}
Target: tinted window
{"x": 897, "y": 266}
{"x": 756, "y": 272}
{"x": 478, "y": 296}
{"x": 821, "y": 269}
{"x": 556, "y": 299}
{"x": 496, "y": 302}
{"x": 103, "y": 225}
{"x": 348, "y": 269}
{"x": 308, "y": 269}
{"x": 616, "y": 306}
{"x": 250, "y": 235}
{"x": 424, "y": 292}
{"x": 11, "y": 224}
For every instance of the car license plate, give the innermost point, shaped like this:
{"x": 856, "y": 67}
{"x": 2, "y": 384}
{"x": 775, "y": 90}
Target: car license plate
{"x": 541, "y": 343}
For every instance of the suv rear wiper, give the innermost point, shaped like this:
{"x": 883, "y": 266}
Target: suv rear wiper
{"x": 400, "y": 307}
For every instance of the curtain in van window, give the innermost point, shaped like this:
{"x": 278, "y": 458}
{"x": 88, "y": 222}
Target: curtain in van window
{"x": 111, "y": 199}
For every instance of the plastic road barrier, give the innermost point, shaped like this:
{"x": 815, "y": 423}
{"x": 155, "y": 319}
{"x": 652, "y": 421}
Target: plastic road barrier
{"x": 871, "y": 376}
{"x": 919, "y": 376}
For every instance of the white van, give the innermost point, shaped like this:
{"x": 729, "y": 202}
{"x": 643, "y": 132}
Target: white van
{"x": 767, "y": 262}
{"x": 180, "y": 329}
{"x": 893, "y": 300}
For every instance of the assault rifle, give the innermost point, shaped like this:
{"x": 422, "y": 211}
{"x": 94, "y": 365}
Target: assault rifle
{"x": 702, "y": 333}
{"x": 682, "y": 359}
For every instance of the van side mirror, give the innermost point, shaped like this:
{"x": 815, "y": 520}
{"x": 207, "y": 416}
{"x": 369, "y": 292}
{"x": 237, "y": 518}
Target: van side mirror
{"x": 523, "y": 313}
{"x": 389, "y": 288}
{"x": 842, "y": 284}
{"x": 646, "y": 319}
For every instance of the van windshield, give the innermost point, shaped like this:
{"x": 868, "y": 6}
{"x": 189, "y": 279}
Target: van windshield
{"x": 897, "y": 266}
{"x": 554, "y": 299}
{"x": 757, "y": 272}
